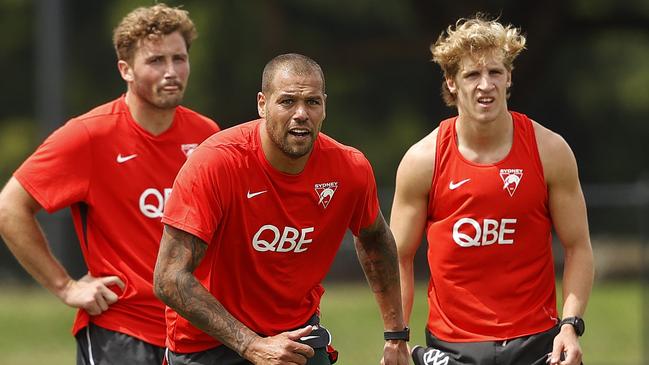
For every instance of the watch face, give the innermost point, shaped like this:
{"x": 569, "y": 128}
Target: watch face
{"x": 577, "y": 323}
{"x": 580, "y": 326}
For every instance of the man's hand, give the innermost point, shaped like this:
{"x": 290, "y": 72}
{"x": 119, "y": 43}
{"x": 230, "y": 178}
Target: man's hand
{"x": 567, "y": 342}
{"x": 395, "y": 353}
{"x": 282, "y": 349}
{"x": 91, "y": 293}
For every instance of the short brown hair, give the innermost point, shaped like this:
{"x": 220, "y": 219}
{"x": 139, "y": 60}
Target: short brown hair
{"x": 293, "y": 62}
{"x": 476, "y": 36}
{"x": 151, "y": 22}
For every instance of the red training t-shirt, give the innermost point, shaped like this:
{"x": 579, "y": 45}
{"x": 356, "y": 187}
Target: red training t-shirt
{"x": 116, "y": 177}
{"x": 271, "y": 236}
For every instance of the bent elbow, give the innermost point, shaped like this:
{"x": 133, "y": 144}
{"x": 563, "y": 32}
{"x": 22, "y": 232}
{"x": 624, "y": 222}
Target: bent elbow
{"x": 160, "y": 285}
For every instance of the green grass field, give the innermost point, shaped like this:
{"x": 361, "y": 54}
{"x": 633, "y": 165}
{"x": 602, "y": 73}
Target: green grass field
{"x": 35, "y": 327}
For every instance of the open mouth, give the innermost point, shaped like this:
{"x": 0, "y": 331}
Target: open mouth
{"x": 299, "y": 132}
{"x": 486, "y": 101}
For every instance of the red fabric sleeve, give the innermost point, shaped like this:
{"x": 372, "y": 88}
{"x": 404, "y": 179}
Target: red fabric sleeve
{"x": 367, "y": 205}
{"x": 58, "y": 173}
{"x": 195, "y": 205}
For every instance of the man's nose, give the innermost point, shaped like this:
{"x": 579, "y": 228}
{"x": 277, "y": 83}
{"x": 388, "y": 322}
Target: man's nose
{"x": 300, "y": 112}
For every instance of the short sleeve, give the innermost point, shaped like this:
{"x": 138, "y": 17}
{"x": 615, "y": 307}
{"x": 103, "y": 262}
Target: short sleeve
{"x": 58, "y": 173}
{"x": 195, "y": 204}
{"x": 367, "y": 204}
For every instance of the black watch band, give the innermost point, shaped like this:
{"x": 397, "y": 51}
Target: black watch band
{"x": 397, "y": 335}
{"x": 576, "y": 322}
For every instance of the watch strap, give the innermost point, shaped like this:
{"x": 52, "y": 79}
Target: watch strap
{"x": 403, "y": 335}
{"x": 576, "y": 322}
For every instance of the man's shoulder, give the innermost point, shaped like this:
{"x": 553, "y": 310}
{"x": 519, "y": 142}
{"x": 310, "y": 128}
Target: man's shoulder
{"x": 423, "y": 151}
{"x": 196, "y": 118}
{"x": 241, "y": 135}
{"x": 416, "y": 169}
{"x": 106, "y": 110}
{"x": 555, "y": 153}
{"x": 332, "y": 147}
{"x": 546, "y": 139}
{"x": 97, "y": 121}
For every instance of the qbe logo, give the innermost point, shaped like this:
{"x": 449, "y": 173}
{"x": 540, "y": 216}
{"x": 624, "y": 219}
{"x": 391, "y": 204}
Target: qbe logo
{"x": 468, "y": 232}
{"x": 270, "y": 238}
{"x": 152, "y": 202}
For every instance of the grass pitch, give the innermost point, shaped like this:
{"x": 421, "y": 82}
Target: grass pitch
{"x": 35, "y": 327}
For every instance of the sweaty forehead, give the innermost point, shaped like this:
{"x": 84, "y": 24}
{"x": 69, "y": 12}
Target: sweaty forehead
{"x": 172, "y": 43}
{"x": 289, "y": 82}
{"x": 483, "y": 59}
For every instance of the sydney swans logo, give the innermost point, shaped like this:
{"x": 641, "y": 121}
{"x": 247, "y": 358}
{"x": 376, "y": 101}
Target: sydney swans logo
{"x": 325, "y": 192}
{"x": 511, "y": 179}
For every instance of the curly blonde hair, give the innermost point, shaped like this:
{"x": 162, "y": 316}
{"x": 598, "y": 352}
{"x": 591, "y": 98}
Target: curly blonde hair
{"x": 476, "y": 37}
{"x": 151, "y": 22}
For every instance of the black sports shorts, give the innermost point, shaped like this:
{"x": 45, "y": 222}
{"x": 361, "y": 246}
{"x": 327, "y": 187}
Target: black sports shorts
{"x": 526, "y": 350}
{"x": 318, "y": 339}
{"x": 99, "y": 346}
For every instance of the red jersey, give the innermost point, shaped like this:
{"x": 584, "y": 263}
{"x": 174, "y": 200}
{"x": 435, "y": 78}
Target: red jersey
{"x": 271, "y": 236}
{"x": 489, "y": 236}
{"x": 115, "y": 176}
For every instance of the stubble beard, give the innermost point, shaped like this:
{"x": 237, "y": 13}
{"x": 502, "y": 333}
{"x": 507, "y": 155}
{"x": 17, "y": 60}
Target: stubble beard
{"x": 281, "y": 141}
{"x": 162, "y": 101}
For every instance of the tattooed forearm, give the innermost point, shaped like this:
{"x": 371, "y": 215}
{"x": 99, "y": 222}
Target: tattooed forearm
{"x": 377, "y": 254}
{"x": 175, "y": 284}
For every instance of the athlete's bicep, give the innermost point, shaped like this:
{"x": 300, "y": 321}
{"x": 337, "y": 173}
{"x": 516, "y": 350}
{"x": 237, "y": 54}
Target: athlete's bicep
{"x": 410, "y": 204}
{"x": 566, "y": 199}
{"x": 180, "y": 250}
{"x": 376, "y": 233}
{"x": 179, "y": 255}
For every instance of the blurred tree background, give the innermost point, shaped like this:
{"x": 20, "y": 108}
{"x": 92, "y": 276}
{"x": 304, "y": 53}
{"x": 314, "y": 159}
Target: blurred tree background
{"x": 584, "y": 75}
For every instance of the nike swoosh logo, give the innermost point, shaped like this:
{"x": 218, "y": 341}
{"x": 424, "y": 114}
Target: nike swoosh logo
{"x": 252, "y": 195}
{"x": 306, "y": 338}
{"x": 122, "y": 159}
{"x": 454, "y": 186}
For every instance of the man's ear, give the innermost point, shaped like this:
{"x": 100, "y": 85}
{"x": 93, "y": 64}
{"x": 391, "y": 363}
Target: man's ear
{"x": 261, "y": 104}
{"x": 125, "y": 70}
{"x": 450, "y": 83}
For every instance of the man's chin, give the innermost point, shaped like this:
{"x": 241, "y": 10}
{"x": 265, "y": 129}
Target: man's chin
{"x": 297, "y": 153}
{"x": 168, "y": 103}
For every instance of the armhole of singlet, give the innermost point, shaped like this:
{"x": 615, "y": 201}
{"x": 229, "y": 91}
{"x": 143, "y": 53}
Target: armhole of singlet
{"x": 433, "y": 184}
{"x": 531, "y": 134}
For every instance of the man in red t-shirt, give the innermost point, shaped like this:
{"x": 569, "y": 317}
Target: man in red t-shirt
{"x": 253, "y": 224}
{"x": 486, "y": 187}
{"x": 114, "y": 167}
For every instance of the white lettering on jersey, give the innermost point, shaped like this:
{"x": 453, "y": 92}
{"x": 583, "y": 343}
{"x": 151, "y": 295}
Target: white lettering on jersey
{"x": 269, "y": 238}
{"x": 152, "y": 202}
{"x": 325, "y": 192}
{"x": 511, "y": 179}
{"x": 468, "y": 232}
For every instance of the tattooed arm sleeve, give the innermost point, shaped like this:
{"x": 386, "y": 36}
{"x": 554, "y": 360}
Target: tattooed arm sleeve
{"x": 377, "y": 254}
{"x": 175, "y": 284}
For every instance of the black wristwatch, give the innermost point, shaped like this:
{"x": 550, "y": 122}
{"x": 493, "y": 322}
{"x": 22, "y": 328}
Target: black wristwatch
{"x": 576, "y": 322}
{"x": 397, "y": 335}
